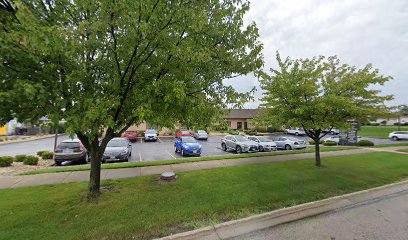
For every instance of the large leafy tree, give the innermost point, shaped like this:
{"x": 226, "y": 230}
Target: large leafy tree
{"x": 320, "y": 93}
{"x": 105, "y": 65}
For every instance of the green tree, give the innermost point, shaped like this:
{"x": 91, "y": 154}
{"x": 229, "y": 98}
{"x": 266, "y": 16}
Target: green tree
{"x": 105, "y": 65}
{"x": 320, "y": 93}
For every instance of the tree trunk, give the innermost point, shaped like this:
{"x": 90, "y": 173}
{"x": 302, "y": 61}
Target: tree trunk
{"x": 95, "y": 174}
{"x": 317, "y": 152}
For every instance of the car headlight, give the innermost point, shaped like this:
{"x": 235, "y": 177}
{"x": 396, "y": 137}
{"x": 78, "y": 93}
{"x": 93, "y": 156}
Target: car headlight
{"x": 199, "y": 146}
{"x": 124, "y": 152}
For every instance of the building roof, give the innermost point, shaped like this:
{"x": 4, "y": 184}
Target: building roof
{"x": 241, "y": 113}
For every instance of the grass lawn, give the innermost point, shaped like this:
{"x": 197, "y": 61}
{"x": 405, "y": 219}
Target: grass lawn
{"x": 379, "y": 131}
{"x": 182, "y": 160}
{"x": 143, "y": 208}
{"x": 403, "y": 150}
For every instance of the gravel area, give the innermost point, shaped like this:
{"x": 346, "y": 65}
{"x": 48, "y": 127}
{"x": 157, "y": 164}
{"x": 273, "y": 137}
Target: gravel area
{"x": 19, "y": 167}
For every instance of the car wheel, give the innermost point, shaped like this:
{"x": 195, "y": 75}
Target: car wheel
{"x": 333, "y": 133}
{"x": 239, "y": 149}
{"x": 296, "y": 133}
{"x": 182, "y": 152}
{"x": 175, "y": 149}
{"x": 224, "y": 147}
{"x": 288, "y": 147}
{"x": 86, "y": 159}
{"x": 58, "y": 163}
{"x": 395, "y": 138}
{"x": 261, "y": 149}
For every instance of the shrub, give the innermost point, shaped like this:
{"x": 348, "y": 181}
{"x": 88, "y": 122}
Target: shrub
{"x": 329, "y": 143}
{"x": 6, "y": 161}
{"x": 39, "y": 153}
{"x": 233, "y": 132}
{"x": 31, "y": 160}
{"x": 366, "y": 143}
{"x": 47, "y": 155}
{"x": 312, "y": 142}
{"x": 20, "y": 158}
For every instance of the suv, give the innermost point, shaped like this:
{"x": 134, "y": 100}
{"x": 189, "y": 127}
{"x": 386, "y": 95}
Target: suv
{"x": 398, "y": 135}
{"x": 238, "y": 143}
{"x": 151, "y": 135}
{"x": 70, "y": 150}
{"x": 295, "y": 131}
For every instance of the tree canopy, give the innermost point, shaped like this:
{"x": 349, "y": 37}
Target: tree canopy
{"x": 320, "y": 93}
{"x": 105, "y": 65}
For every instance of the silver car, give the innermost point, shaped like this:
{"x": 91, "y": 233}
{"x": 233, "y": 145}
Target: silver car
{"x": 265, "y": 144}
{"x": 118, "y": 149}
{"x": 151, "y": 135}
{"x": 289, "y": 143}
{"x": 200, "y": 134}
{"x": 238, "y": 143}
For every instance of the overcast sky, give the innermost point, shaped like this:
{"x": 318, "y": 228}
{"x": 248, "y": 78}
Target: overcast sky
{"x": 358, "y": 31}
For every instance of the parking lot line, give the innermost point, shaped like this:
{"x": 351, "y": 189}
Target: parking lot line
{"x": 171, "y": 155}
{"x": 140, "y": 157}
{"x": 159, "y": 140}
{"x": 141, "y": 141}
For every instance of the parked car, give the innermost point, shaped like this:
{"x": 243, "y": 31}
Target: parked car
{"x": 70, "y": 150}
{"x": 398, "y": 135}
{"x": 200, "y": 134}
{"x": 264, "y": 144}
{"x": 183, "y": 133}
{"x": 131, "y": 135}
{"x": 118, "y": 149}
{"x": 335, "y": 139}
{"x": 238, "y": 143}
{"x": 289, "y": 143}
{"x": 295, "y": 131}
{"x": 333, "y": 131}
{"x": 187, "y": 145}
{"x": 151, "y": 135}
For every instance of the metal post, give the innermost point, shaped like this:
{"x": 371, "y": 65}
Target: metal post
{"x": 56, "y": 137}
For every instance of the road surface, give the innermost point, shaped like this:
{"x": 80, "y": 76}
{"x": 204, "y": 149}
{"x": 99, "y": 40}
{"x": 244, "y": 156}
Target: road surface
{"x": 380, "y": 219}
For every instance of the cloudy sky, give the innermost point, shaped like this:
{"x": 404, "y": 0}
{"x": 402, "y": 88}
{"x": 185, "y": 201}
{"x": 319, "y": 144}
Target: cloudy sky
{"x": 358, "y": 31}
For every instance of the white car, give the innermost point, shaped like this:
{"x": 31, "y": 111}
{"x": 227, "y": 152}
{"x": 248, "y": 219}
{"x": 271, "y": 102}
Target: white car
{"x": 398, "y": 135}
{"x": 200, "y": 134}
{"x": 333, "y": 131}
{"x": 335, "y": 139}
{"x": 289, "y": 143}
{"x": 265, "y": 144}
{"x": 295, "y": 131}
{"x": 151, "y": 135}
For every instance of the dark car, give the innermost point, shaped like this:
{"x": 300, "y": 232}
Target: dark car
{"x": 118, "y": 149}
{"x": 70, "y": 150}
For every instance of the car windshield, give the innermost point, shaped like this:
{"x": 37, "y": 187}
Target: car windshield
{"x": 151, "y": 131}
{"x": 69, "y": 145}
{"x": 130, "y": 132}
{"x": 241, "y": 138}
{"x": 189, "y": 140}
{"x": 184, "y": 132}
{"x": 261, "y": 139}
{"x": 117, "y": 143}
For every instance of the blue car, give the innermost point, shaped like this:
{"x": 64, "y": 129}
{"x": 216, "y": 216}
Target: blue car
{"x": 187, "y": 146}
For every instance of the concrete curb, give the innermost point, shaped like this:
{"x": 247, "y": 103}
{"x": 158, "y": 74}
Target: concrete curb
{"x": 258, "y": 222}
{"x": 28, "y": 140}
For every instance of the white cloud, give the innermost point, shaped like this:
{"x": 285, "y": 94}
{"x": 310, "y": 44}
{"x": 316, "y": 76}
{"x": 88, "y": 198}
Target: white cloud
{"x": 358, "y": 31}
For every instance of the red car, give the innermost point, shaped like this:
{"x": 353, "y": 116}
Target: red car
{"x": 131, "y": 135}
{"x": 183, "y": 133}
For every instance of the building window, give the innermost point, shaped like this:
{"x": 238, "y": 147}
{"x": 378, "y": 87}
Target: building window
{"x": 229, "y": 124}
{"x": 239, "y": 125}
{"x": 245, "y": 125}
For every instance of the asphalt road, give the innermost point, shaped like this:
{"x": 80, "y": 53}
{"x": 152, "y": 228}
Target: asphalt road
{"x": 163, "y": 149}
{"x": 383, "y": 218}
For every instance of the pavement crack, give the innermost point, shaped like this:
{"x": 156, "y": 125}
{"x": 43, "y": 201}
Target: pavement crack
{"x": 215, "y": 230}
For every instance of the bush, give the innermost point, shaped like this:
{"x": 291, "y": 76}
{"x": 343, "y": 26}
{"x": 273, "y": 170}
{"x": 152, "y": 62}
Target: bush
{"x": 31, "y": 160}
{"x": 6, "y": 161}
{"x": 20, "y": 158}
{"x": 47, "y": 155}
{"x": 312, "y": 142}
{"x": 39, "y": 153}
{"x": 365, "y": 143}
{"x": 233, "y": 132}
{"x": 329, "y": 143}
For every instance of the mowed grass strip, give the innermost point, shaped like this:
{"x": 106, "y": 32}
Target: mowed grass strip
{"x": 181, "y": 160}
{"x": 143, "y": 207}
{"x": 379, "y": 131}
